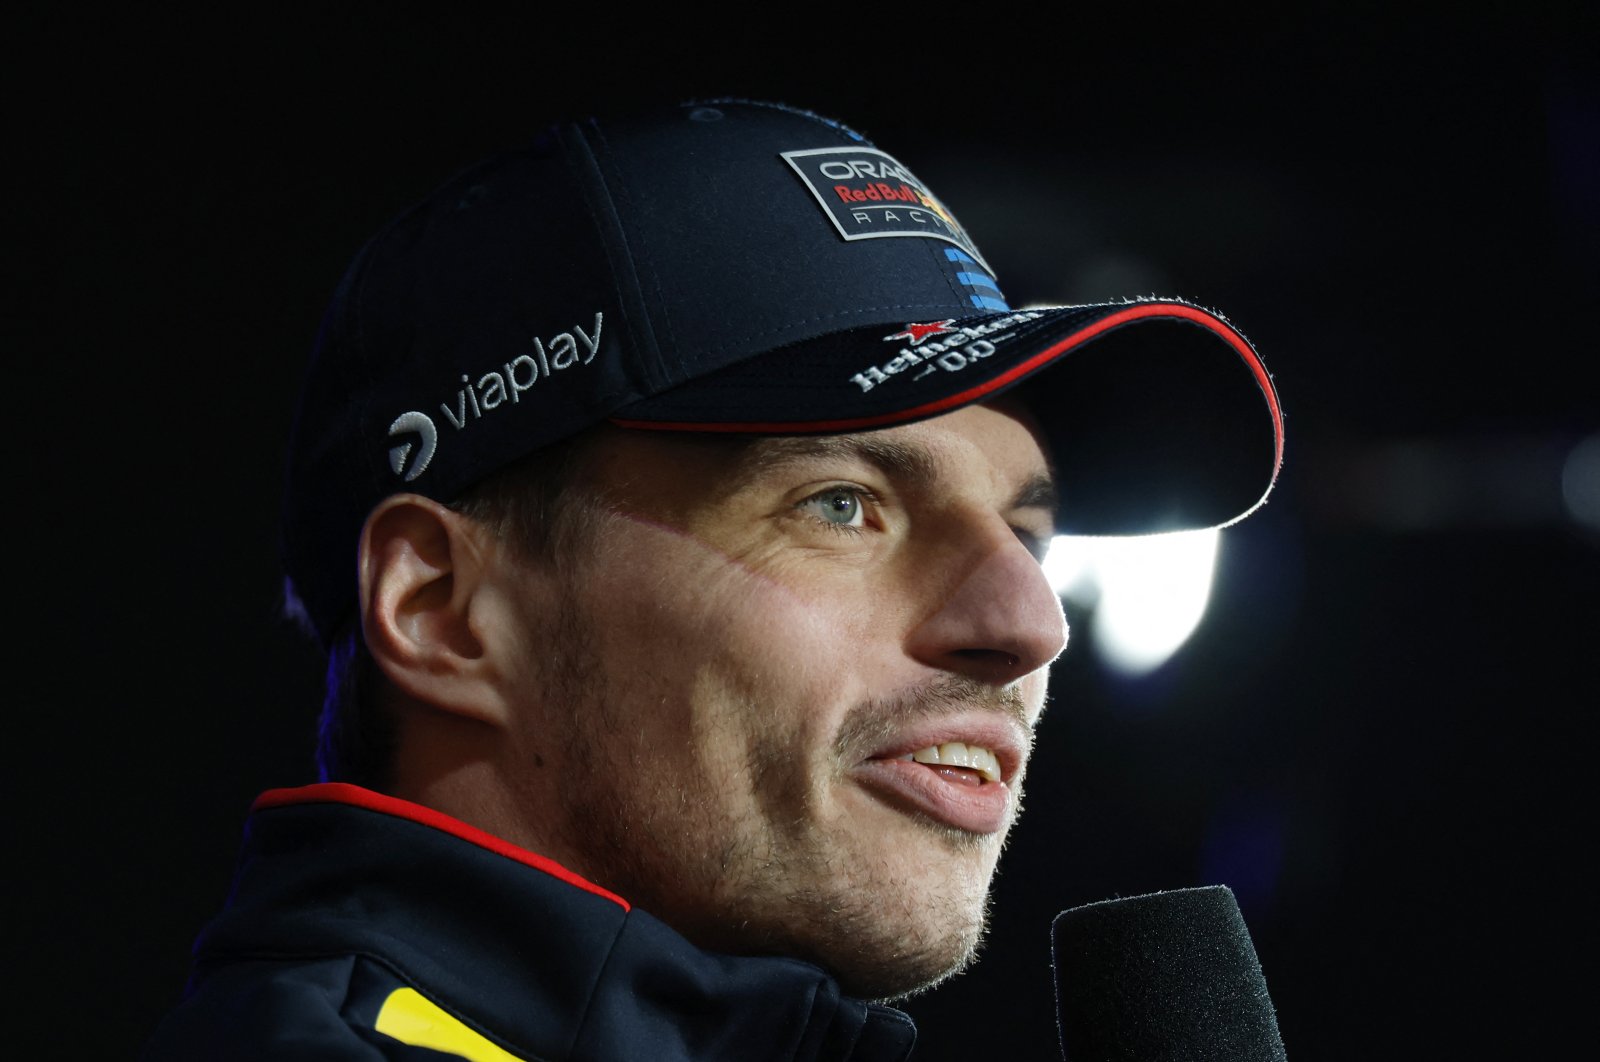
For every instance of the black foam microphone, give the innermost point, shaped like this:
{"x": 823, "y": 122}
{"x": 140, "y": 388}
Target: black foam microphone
{"x": 1164, "y": 977}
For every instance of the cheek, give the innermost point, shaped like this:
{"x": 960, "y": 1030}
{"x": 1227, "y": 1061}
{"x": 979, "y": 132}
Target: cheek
{"x": 666, "y": 604}
{"x": 722, "y": 668}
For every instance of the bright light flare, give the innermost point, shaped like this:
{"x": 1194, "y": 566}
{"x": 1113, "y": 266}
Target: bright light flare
{"x": 1580, "y": 482}
{"x": 1147, "y": 592}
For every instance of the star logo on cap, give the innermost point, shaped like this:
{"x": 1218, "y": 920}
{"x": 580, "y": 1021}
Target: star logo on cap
{"x": 918, "y": 332}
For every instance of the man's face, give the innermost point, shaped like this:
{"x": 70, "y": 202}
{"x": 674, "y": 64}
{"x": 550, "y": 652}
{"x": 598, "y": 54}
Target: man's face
{"x": 756, "y": 649}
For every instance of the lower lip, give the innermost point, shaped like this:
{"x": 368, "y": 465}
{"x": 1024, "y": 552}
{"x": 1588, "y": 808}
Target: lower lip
{"x": 913, "y": 786}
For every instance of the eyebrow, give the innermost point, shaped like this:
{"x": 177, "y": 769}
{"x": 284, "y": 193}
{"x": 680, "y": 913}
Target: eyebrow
{"x": 908, "y": 462}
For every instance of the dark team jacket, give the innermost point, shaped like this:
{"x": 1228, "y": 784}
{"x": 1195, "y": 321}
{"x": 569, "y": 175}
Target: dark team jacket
{"x": 364, "y": 927}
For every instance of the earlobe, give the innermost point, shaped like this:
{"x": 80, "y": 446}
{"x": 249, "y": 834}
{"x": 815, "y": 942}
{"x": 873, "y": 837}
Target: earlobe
{"x": 423, "y": 570}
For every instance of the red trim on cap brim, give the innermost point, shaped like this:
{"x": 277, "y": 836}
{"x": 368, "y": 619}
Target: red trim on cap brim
{"x": 1016, "y": 372}
{"x": 356, "y": 796}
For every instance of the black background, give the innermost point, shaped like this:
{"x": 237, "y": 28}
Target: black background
{"x": 1379, "y": 736}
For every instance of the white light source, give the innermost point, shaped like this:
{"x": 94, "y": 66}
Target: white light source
{"x": 1069, "y": 565}
{"x": 1148, "y": 592}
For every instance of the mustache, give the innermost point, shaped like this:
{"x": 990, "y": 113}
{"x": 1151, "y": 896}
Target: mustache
{"x": 868, "y": 726}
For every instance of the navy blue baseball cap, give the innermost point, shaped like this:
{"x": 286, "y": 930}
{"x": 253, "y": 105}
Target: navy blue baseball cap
{"x": 735, "y": 266}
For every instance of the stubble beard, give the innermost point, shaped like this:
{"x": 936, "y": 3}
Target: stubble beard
{"x": 768, "y": 884}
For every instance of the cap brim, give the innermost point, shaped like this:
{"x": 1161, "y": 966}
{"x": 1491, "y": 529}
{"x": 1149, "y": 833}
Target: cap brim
{"x": 1163, "y": 418}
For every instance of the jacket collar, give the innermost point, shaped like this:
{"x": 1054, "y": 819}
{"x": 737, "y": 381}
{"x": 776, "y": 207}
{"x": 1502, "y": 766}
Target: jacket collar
{"x": 551, "y": 962}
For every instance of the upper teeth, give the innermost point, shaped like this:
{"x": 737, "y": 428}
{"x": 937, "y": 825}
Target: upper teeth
{"x": 959, "y": 754}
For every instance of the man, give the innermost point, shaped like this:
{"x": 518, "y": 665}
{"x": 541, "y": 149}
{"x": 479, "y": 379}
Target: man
{"x": 669, "y": 496}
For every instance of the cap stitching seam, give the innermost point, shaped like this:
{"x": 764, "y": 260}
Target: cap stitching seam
{"x": 661, "y": 314}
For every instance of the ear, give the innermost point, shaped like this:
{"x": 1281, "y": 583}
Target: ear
{"x": 426, "y": 580}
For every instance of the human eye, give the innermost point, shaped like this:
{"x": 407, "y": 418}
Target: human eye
{"x": 1034, "y": 542}
{"x": 840, "y": 507}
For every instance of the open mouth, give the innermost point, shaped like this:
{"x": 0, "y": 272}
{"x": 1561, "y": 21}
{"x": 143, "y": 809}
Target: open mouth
{"x": 959, "y": 762}
{"x": 953, "y": 783}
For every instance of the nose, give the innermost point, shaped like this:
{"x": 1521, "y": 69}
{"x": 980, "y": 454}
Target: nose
{"x": 1001, "y": 621}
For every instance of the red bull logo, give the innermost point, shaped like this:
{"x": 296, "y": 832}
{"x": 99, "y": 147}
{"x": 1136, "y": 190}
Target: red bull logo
{"x": 868, "y": 195}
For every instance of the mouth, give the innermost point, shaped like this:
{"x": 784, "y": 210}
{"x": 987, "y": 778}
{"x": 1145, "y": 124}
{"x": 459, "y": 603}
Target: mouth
{"x": 965, "y": 782}
{"x": 964, "y": 764}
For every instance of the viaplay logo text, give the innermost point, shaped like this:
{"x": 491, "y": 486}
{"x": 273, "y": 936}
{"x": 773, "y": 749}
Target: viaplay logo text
{"x": 417, "y": 435}
{"x": 937, "y": 347}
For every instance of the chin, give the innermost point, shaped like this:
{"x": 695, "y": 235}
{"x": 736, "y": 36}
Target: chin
{"x": 880, "y": 944}
{"x": 890, "y": 978}
{"x": 917, "y": 930}
{"x": 890, "y": 948}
